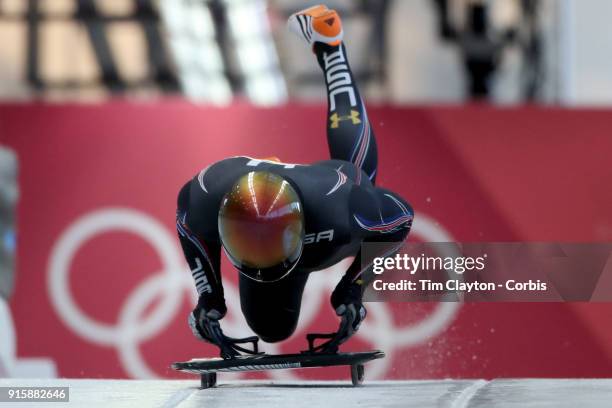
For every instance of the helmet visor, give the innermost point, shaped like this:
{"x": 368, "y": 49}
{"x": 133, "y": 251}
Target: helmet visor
{"x": 261, "y": 225}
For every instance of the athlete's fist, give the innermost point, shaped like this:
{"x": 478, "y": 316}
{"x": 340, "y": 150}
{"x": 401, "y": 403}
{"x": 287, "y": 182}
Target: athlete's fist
{"x": 346, "y": 301}
{"x": 204, "y": 324}
{"x": 353, "y": 313}
{"x": 207, "y": 311}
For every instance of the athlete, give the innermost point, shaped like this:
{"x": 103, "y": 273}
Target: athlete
{"x": 279, "y": 222}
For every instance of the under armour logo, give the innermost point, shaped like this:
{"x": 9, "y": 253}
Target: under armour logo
{"x": 336, "y": 119}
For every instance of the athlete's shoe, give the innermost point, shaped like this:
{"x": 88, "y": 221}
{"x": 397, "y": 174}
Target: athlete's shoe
{"x": 317, "y": 24}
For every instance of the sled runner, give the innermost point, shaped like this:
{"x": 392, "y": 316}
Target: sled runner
{"x": 208, "y": 368}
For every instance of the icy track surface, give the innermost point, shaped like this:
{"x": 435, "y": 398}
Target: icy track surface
{"x": 260, "y": 394}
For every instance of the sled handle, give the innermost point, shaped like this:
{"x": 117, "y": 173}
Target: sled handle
{"x": 313, "y": 337}
{"x": 254, "y": 340}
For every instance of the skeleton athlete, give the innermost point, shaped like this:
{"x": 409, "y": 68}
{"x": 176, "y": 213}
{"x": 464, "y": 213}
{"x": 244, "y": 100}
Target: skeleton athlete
{"x": 279, "y": 222}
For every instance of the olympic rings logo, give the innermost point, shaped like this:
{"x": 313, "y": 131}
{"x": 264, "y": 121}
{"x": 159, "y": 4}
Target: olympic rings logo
{"x": 174, "y": 281}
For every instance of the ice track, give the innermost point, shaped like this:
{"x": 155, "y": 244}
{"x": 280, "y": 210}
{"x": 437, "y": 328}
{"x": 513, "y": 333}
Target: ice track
{"x": 526, "y": 393}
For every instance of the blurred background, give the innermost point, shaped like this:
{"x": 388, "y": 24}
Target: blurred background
{"x": 492, "y": 118}
{"x": 216, "y": 51}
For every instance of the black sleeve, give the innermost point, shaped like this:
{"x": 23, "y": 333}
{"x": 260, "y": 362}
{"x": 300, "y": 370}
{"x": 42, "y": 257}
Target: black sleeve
{"x": 203, "y": 257}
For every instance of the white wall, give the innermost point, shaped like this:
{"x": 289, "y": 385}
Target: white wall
{"x": 587, "y": 52}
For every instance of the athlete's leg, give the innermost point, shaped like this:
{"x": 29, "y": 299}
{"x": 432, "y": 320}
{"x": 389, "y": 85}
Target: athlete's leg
{"x": 349, "y": 134}
{"x": 272, "y": 309}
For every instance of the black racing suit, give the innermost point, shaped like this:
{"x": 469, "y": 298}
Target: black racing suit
{"x": 342, "y": 208}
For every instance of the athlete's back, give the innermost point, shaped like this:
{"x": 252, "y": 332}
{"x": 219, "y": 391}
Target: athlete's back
{"x": 324, "y": 188}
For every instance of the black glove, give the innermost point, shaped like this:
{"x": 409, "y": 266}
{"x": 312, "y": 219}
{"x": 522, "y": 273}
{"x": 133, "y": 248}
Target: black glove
{"x": 204, "y": 323}
{"x": 346, "y": 301}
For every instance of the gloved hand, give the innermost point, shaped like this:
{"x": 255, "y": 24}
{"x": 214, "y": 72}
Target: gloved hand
{"x": 346, "y": 301}
{"x": 204, "y": 323}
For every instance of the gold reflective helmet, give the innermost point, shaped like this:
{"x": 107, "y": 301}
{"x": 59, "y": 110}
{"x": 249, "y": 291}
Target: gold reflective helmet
{"x": 261, "y": 225}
